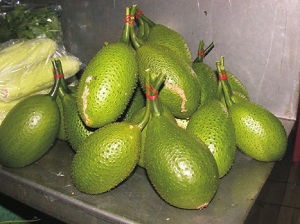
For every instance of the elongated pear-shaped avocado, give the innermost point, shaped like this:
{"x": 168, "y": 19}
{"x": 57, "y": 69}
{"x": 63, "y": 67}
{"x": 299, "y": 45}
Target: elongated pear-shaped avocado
{"x": 213, "y": 125}
{"x": 259, "y": 133}
{"x": 106, "y": 158}
{"x": 179, "y": 165}
{"x": 30, "y": 129}
{"x": 107, "y": 84}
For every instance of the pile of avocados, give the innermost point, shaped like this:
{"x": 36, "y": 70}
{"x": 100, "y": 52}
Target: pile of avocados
{"x": 142, "y": 101}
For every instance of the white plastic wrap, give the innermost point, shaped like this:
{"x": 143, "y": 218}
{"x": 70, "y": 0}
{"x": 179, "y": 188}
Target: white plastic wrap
{"x": 26, "y": 68}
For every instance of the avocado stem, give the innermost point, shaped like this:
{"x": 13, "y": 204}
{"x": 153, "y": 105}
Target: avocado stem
{"x": 203, "y": 52}
{"x": 129, "y": 19}
{"x": 141, "y": 28}
{"x": 222, "y": 61}
{"x": 57, "y": 81}
{"x": 137, "y": 42}
{"x": 145, "y": 18}
{"x": 219, "y": 90}
{"x": 63, "y": 88}
{"x": 160, "y": 79}
{"x": 153, "y": 107}
{"x": 156, "y": 109}
{"x": 223, "y": 79}
{"x": 209, "y": 48}
{"x": 200, "y": 53}
{"x": 63, "y": 81}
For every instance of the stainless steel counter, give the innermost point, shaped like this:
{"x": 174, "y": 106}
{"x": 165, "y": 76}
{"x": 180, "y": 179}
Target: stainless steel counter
{"x": 46, "y": 185}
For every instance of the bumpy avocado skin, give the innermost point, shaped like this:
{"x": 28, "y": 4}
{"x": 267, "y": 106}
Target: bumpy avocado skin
{"x": 107, "y": 85}
{"x": 259, "y": 133}
{"x": 181, "y": 90}
{"x": 179, "y": 165}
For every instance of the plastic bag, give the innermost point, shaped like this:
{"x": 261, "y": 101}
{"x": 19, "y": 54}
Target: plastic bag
{"x": 22, "y": 74}
{"x": 29, "y": 21}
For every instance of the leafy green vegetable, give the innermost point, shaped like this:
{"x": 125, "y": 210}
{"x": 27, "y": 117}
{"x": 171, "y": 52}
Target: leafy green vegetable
{"x": 30, "y": 21}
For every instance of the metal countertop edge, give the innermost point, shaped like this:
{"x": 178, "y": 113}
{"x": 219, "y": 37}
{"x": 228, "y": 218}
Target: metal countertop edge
{"x": 24, "y": 186}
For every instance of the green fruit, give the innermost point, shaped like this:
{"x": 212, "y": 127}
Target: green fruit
{"x": 75, "y": 129}
{"x": 179, "y": 165}
{"x": 137, "y": 117}
{"x": 107, "y": 85}
{"x": 162, "y": 35}
{"x": 259, "y": 133}
{"x": 180, "y": 92}
{"x": 28, "y": 131}
{"x": 213, "y": 125}
{"x": 106, "y": 158}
